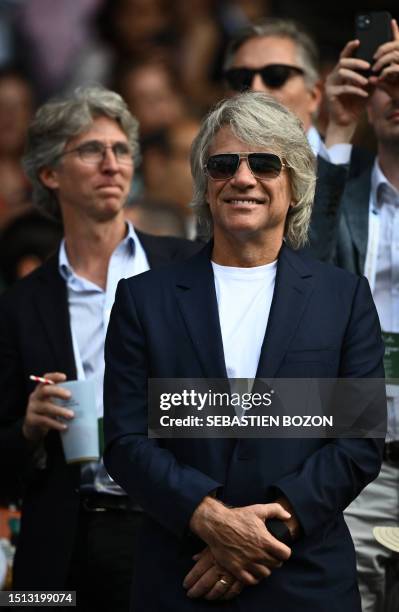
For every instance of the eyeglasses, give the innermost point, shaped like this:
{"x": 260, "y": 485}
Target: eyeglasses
{"x": 273, "y": 76}
{"x": 93, "y": 152}
{"x": 263, "y": 166}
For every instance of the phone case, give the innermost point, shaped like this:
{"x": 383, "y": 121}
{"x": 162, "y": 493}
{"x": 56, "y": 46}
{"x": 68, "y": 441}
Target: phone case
{"x": 372, "y": 29}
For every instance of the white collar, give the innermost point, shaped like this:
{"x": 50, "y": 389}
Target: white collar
{"x": 64, "y": 267}
{"x": 314, "y": 139}
{"x": 381, "y": 189}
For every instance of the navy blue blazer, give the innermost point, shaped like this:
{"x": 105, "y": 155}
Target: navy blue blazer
{"x": 339, "y": 231}
{"x": 165, "y": 324}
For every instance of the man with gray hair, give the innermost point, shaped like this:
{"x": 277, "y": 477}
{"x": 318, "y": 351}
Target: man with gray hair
{"x": 247, "y": 306}
{"x": 278, "y": 57}
{"x": 78, "y": 527}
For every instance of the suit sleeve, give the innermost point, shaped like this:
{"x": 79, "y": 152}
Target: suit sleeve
{"x": 326, "y": 215}
{"x": 168, "y": 490}
{"x": 15, "y": 450}
{"x": 335, "y": 474}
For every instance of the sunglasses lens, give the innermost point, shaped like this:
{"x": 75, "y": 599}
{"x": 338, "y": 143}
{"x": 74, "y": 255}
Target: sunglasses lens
{"x": 275, "y": 75}
{"x": 220, "y": 167}
{"x": 264, "y": 165}
{"x": 239, "y": 79}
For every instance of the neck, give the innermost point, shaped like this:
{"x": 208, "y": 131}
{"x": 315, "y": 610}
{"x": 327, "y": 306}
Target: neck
{"x": 244, "y": 252}
{"x": 388, "y": 158}
{"x": 307, "y": 124}
{"x": 90, "y": 245}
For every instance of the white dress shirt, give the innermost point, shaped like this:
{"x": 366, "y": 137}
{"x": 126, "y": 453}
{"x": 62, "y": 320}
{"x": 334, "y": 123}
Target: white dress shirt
{"x": 89, "y": 310}
{"x": 382, "y": 267}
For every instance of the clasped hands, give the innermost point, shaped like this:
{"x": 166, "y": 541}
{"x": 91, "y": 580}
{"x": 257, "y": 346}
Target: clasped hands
{"x": 240, "y": 550}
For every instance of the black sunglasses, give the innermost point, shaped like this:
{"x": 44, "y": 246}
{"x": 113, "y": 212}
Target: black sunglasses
{"x": 273, "y": 76}
{"x": 262, "y": 165}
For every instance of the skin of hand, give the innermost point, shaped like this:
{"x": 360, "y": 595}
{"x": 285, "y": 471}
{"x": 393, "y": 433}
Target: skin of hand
{"x": 238, "y": 538}
{"x": 204, "y": 579}
{"x": 41, "y": 413}
{"x": 348, "y": 91}
{"x": 292, "y": 523}
{"x": 387, "y": 63}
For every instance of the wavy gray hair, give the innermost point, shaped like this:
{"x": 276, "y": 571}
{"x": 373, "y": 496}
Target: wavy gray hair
{"x": 259, "y": 120}
{"x": 308, "y": 54}
{"x": 59, "y": 120}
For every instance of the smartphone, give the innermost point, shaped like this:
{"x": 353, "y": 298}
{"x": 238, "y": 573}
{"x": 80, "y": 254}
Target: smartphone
{"x": 372, "y": 29}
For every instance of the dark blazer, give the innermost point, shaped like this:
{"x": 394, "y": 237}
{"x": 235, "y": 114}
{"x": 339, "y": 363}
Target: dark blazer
{"x": 35, "y": 337}
{"x": 322, "y": 323}
{"x": 339, "y": 230}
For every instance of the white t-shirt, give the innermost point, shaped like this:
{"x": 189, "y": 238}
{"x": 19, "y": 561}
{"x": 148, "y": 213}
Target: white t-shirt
{"x": 244, "y": 297}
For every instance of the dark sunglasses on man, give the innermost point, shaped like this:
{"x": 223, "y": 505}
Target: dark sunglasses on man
{"x": 273, "y": 76}
{"x": 223, "y": 166}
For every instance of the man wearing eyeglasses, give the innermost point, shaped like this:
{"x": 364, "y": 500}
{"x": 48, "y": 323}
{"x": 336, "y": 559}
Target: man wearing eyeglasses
{"x": 78, "y": 527}
{"x": 248, "y": 306}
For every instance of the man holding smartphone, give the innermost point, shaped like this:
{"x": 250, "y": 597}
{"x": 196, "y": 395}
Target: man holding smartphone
{"x": 363, "y": 237}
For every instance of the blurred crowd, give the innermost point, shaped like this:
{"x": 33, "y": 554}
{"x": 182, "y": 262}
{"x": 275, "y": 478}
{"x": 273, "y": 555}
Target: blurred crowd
{"x": 165, "y": 58}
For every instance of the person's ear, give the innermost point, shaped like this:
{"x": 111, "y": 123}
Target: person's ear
{"x": 315, "y": 95}
{"x": 49, "y": 177}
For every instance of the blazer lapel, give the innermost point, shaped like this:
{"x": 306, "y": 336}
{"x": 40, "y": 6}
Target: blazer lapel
{"x": 52, "y": 304}
{"x": 196, "y": 295}
{"x": 356, "y": 209}
{"x": 293, "y": 288}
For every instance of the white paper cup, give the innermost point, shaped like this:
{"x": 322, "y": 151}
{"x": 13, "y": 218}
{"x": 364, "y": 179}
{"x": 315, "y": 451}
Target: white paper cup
{"x": 80, "y": 440}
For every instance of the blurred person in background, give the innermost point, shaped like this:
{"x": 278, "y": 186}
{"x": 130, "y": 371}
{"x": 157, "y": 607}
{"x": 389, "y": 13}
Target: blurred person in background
{"x": 16, "y": 108}
{"x": 26, "y": 242}
{"x": 152, "y": 93}
{"x": 56, "y": 38}
{"x": 156, "y": 217}
{"x": 179, "y": 138}
{"x": 167, "y": 129}
{"x": 279, "y": 58}
{"x": 166, "y": 169}
{"x": 187, "y": 37}
{"x": 138, "y": 29}
{"x": 134, "y": 31}
{"x": 7, "y": 17}
{"x": 197, "y": 51}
